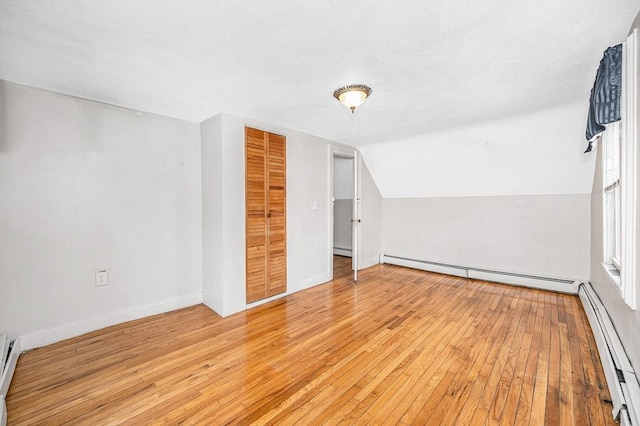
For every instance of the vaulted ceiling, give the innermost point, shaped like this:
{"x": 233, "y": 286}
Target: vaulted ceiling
{"x": 432, "y": 64}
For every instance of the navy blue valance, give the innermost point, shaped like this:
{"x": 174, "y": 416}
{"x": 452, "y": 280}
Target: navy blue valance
{"x": 604, "y": 102}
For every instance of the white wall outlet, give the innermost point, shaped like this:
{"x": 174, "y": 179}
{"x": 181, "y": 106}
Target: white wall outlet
{"x": 102, "y": 278}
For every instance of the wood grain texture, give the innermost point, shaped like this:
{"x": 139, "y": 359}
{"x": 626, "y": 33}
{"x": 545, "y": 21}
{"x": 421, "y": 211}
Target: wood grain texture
{"x": 399, "y": 347}
{"x": 277, "y": 214}
{"x": 266, "y": 237}
{"x": 256, "y": 224}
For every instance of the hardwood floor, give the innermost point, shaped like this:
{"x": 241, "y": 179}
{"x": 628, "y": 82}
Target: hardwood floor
{"x": 342, "y": 268}
{"x": 399, "y": 347}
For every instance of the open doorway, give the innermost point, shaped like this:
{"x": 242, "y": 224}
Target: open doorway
{"x": 344, "y": 212}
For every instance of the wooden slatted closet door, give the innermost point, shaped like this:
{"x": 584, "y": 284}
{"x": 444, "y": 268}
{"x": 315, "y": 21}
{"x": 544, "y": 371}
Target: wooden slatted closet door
{"x": 265, "y": 214}
{"x": 276, "y": 229}
{"x": 256, "y": 213}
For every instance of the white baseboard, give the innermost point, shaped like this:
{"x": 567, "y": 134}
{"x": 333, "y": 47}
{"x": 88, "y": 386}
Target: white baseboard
{"x": 315, "y": 280}
{"x": 267, "y": 300}
{"x": 425, "y": 266}
{"x": 304, "y": 284}
{"x": 342, "y": 251}
{"x": 513, "y": 278}
{"x": 622, "y": 381}
{"x": 3, "y": 413}
{"x": 9, "y": 368}
{"x": 67, "y": 331}
{"x": 541, "y": 283}
{"x": 4, "y": 350}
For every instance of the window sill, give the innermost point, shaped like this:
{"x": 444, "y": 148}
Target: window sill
{"x": 614, "y": 275}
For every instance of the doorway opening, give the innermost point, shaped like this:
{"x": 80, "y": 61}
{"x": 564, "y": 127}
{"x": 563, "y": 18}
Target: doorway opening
{"x": 345, "y": 214}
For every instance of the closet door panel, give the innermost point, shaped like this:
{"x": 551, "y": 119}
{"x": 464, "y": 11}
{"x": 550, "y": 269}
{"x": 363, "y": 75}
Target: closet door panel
{"x": 277, "y": 256}
{"x": 256, "y": 215}
{"x": 277, "y": 243}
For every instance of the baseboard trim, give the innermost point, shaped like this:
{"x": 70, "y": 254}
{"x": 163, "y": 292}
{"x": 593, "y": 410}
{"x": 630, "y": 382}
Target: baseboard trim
{"x": 304, "y": 284}
{"x": 342, "y": 252}
{"x": 315, "y": 280}
{"x": 9, "y": 368}
{"x": 67, "y": 331}
{"x": 622, "y": 381}
{"x": 504, "y": 277}
{"x": 5, "y": 344}
{"x": 3, "y": 413}
{"x": 267, "y": 300}
{"x": 425, "y": 266}
{"x": 541, "y": 283}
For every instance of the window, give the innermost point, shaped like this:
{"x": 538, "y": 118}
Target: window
{"x": 620, "y": 179}
{"x": 611, "y": 140}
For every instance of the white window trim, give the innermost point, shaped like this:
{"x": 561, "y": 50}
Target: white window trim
{"x": 624, "y": 273}
{"x": 613, "y": 135}
{"x": 616, "y": 263}
{"x": 629, "y": 174}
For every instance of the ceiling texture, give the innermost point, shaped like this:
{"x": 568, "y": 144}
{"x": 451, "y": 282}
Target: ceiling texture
{"x": 432, "y": 65}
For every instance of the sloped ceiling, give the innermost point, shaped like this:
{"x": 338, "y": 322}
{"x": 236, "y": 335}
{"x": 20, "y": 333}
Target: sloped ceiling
{"x": 432, "y": 64}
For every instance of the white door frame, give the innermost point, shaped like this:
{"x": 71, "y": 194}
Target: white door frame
{"x": 346, "y": 152}
{"x": 355, "y": 219}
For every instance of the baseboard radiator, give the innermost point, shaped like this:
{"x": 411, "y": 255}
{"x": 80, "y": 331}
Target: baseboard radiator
{"x": 545, "y": 283}
{"x": 9, "y": 353}
{"x": 621, "y": 379}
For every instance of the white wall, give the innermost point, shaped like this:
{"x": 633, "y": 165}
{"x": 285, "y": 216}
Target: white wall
{"x": 212, "y": 217}
{"x": 86, "y": 186}
{"x": 509, "y": 195}
{"x": 531, "y": 154}
{"x": 542, "y": 235}
{"x": 342, "y": 178}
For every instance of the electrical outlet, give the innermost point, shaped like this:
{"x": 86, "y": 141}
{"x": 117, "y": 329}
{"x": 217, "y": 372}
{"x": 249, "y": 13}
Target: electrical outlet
{"x": 102, "y": 278}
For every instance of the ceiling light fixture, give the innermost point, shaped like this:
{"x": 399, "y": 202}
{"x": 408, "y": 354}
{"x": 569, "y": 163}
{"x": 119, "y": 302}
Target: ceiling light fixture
{"x": 352, "y": 96}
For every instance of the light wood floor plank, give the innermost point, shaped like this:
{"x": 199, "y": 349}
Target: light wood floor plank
{"x": 399, "y": 347}
{"x": 512, "y": 388}
{"x": 590, "y": 373}
{"x": 508, "y": 378}
{"x": 493, "y": 338}
{"x": 552, "y": 411}
{"x": 539, "y": 402}
{"x": 491, "y": 386}
{"x": 525, "y": 399}
{"x": 581, "y": 390}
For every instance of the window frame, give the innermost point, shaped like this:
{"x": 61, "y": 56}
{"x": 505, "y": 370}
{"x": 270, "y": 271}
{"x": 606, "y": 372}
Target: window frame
{"x": 623, "y": 270}
{"x": 611, "y": 140}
